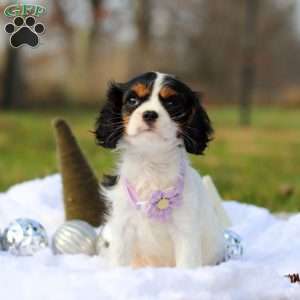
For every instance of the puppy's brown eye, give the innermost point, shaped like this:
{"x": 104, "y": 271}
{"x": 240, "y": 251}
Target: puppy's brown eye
{"x": 171, "y": 102}
{"x": 132, "y": 102}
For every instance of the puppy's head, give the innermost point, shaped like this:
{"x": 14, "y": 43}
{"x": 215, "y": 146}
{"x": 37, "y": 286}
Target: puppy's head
{"x": 153, "y": 110}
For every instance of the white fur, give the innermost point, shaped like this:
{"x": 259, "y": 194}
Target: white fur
{"x": 150, "y": 160}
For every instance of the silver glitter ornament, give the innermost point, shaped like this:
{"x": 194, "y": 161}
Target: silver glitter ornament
{"x": 24, "y": 237}
{"x": 75, "y": 237}
{"x": 233, "y": 245}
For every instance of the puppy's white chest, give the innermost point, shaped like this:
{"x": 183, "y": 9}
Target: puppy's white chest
{"x": 152, "y": 239}
{"x": 149, "y": 239}
{"x": 153, "y": 243}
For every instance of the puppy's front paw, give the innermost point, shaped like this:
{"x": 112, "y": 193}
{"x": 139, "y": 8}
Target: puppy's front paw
{"x": 188, "y": 251}
{"x": 120, "y": 253}
{"x": 190, "y": 262}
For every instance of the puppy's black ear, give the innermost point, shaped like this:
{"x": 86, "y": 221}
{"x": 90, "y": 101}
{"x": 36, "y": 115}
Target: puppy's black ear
{"x": 197, "y": 130}
{"x": 109, "y": 125}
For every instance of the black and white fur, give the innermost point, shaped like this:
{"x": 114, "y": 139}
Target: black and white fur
{"x": 154, "y": 120}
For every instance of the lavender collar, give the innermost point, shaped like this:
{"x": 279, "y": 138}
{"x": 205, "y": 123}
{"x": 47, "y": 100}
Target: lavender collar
{"x": 161, "y": 203}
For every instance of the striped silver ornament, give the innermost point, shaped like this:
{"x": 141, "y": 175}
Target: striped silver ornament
{"x": 75, "y": 237}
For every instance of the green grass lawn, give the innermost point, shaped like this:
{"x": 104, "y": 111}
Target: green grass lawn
{"x": 254, "y": 165}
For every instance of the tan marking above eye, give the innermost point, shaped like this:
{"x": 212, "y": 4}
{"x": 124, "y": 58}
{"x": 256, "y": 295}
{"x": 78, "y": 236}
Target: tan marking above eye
{"x": 141, "y": 90}
{"x": 167, "y": 92}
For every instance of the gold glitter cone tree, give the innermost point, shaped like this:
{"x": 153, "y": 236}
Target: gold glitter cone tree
{"x": 82, "y": 197}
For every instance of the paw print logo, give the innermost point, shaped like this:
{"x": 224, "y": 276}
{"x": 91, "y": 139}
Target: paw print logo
{"x": 24, "y": 32}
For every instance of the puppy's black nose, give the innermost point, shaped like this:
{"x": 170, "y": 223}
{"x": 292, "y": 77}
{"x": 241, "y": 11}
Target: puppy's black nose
{"x": 150, "y": 116}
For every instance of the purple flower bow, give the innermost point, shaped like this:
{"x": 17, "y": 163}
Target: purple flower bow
{"x": 162, "y": 203}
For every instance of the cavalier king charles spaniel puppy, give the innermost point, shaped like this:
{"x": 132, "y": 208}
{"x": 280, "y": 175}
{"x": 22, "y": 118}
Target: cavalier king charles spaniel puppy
{"x": 161, "y": 213}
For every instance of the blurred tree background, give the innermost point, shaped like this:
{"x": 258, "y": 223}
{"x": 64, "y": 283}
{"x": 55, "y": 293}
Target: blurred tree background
{"x": 214, "y": 45}
{"x": 240, "y": 53}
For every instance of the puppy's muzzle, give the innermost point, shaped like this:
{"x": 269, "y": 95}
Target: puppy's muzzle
{"x": 150, "y": 116}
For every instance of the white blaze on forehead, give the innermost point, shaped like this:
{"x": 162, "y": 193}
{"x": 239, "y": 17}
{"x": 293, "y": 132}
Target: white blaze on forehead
{"x": 156, "y": 88}
{"x": 158, "y": 83}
